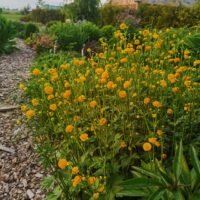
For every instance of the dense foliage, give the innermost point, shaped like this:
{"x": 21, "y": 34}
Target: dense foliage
{"x": 94, "y": 118}
{"x": 6, "y": 36}
{"x": 44, "y": 16}
{"x": 73, "y": 36}
{"x": 160, "y": 16}
{"x": 83, "y": 10}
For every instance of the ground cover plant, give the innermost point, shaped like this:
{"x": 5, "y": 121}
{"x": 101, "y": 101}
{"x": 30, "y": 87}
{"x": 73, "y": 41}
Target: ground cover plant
{"x": 95, "y": 118}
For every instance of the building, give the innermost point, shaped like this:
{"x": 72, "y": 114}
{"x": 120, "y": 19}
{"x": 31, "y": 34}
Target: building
{"x": 126, "y": 3}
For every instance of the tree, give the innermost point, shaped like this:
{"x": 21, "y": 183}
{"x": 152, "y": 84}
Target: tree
{"x": 83, "y": 10}
{"x": 26, "y": 10}
{"x": 88, "y": 9}
{"x": 40, "y": 3}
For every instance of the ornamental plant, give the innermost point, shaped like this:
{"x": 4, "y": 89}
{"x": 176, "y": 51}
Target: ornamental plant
{"x": 7, "y": 45}
{"x": 94, "y": 118}
{"x": 158, "y": 182}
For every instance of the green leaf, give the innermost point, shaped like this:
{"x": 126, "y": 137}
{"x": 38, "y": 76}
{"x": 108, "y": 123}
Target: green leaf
{"x": 47, "y": 182}
{"x": 157, "y": 195}
{"x": 147, "y": 173}
{"x": 195, "y": 161}
{"x": 132, "y": 193}
{"x": 195, "y": 196}
{"x": 179, "y": 195}
{"x": 140, "y": 182}
{"x": 177, "y": 161}
{"x": 186, "y": 177}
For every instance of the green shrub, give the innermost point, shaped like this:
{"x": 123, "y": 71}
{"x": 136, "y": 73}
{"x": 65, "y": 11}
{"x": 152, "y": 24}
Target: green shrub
{"x": 109, "y": 14}
{"x": 91, "y": 30}
{"x": 6, "y": 36}
{"x": 161, "y": 16}
{"x": 73, "y": 36}
{"x": 155, "y": 181}
{"x": 19, "y": 29}
{"x": 30, "y": 29}
{"x": 44, "y": 16}
{"x": 108, "y": 31}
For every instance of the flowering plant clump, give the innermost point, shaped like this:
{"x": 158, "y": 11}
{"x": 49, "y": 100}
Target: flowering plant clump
{"x": 95, "y": 118}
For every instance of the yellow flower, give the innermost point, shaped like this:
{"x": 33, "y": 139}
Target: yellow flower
{"x": 76, "y": 118}
{"x": 171, "y": 78}
{"x": 147, "y": 146}
{"x": 93, "y": 104}
{"x": 34, "y": 102}
{"x": 76, "y": 181}
{"x": 152, "y": 140}
{"x": 62, "y": 163}
{"x": 48, "y": 90}
{"x": 75, "y": 170}
{"x": 175, "y": 89}
{"x": 30, "y": 114}
{"x": 137, "y": 42}
{"x": 177, "y": 60}
{"x": 24, "y": 108}
{"x": 101, "y": 188}
{"x": 159, "y": 132}
{"x": 123, "y": 144}
{"x": 81, "y": 98}
{"x": 163, "y": 83}
{"x": 22, "y": 86}
{"x": 95, "y": 195}
{"x": 155, "y": 36}
{"x": 103, "y": 81}
{"x": 103, "y": 121}
{"x": 122, "y": 94}
{"x": 67, "y": 94}
{"x": 122, "y": 26}
{"x": 36, "y": 72}
{"x": 164, "y": 156}
{"x": 196, "y": 62}
{"x": 64, "y": 66}
{"x": 147, "y": 48}
{"x": 170, "y": 111}
{"x": 51, "y": 96}
{"x": 91, "y": 180}
{"x": 157, "y": 104}
{"x": 147, "y": 100}
{"x": 69, "y": 128}
{"x": 111, "y": 85}
{"x": 53, "y": 107}
{"x": 146, "y": 33}
{"x": 127, "y": 84}
{"x": 84, "y": 137}
{"x": 123, "y": 60}
{"x": 99, "y": 71}
{"x": 118, "y": 79}
{"x": 105, "y": 75}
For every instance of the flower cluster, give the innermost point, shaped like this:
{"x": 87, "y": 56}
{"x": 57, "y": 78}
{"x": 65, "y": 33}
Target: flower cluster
{"x": 102, "y": 114}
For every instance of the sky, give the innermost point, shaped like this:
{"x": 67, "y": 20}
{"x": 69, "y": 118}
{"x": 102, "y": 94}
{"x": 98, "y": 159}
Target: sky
{"x": 12, "y": 4}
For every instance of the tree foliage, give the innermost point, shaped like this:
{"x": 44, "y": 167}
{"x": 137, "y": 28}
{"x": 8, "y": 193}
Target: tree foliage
{"x": 83, "y": 10}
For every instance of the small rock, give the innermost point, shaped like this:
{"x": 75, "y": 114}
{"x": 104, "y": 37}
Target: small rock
{"x": 38, "y": 175}
{"x": 30, "y": 194}
{"x": 24, "y": 182}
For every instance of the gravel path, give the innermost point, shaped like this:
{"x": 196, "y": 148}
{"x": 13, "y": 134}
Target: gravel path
{"x": 20, "y": 173}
